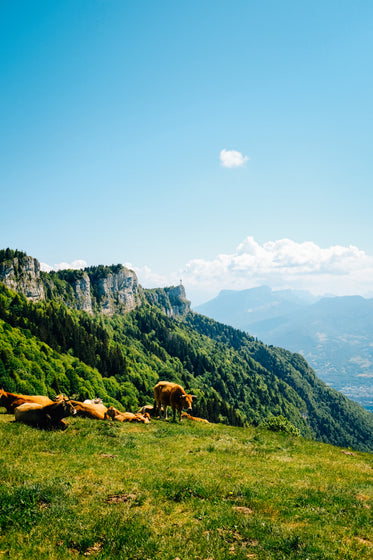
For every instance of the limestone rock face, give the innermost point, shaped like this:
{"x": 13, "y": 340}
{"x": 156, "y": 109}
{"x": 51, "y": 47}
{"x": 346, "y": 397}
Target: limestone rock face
{"x": 23, "y": 275}
{"x": 172, "y": 301}
{"x": 101, "y": 289}
{"x": 82, "y": 289}
{"x": 118, "y": 292}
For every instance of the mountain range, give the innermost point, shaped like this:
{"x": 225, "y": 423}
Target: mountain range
{"x": 334, "y": 334}
{"x": 97, "y": 333}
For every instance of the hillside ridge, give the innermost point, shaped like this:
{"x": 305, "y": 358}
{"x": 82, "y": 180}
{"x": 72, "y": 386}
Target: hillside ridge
{"x": 101, "y": 289}
{"x": 334, "y": 334}
{"x": 48, "y": 347}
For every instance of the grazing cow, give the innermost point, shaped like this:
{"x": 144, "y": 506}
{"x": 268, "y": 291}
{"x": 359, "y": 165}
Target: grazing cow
{"x": 86, "y": 410}
{"x": 118, "y": 416}
{"x": 195, "y": 418}
{"x": 47, "y": 417}
{"x": 11, "y": 400}
{"x": 173, "y": 395}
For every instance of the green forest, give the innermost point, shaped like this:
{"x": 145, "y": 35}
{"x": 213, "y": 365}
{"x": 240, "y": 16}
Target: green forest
{"x": 50, "y": 348}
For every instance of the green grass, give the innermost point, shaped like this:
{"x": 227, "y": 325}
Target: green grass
{"x": 206, "y": 492}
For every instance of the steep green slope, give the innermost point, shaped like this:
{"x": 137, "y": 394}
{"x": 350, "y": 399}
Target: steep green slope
{"x": 120, "y": 358}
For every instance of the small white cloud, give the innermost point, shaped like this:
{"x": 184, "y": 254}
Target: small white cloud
{"x": 46, "y": 267}
{"x": 150, "y": 279}
{"x": 232, "y": 158}
{"x": 75, "y": 265}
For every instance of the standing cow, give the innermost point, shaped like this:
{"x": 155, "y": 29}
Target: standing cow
{"x": 173, "y": 395}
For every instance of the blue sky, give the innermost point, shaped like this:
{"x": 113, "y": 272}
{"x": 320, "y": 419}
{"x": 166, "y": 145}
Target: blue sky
{"x": 114, "y": 117}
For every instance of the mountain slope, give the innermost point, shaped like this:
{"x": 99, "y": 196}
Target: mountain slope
{"x": 120, "y": 357}
{"x": 334, "y": 334}
{"x": 245, "y": 307}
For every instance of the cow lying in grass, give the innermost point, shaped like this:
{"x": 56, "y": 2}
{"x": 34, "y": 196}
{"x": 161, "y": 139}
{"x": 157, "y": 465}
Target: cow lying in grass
{"x": 118, "y": 416}
{"x": 11, "y": 400}
{"x": 149, "y": 409}
{"x": 47, "y": 417}
{"x": 87, "y": 410}
{"x": 173, "y": 395}
{"x": 195, "y": 418}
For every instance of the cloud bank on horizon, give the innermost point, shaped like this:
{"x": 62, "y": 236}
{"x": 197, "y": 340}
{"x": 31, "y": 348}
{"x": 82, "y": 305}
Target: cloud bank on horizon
{"x": 280, "y": 264}
{"x": 74, "y": 265}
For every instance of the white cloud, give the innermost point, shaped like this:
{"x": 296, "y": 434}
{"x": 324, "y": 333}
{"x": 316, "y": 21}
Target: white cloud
{"x": 232, "y": 158}
{"x": 75, "y": 265}
{"x": 151, "y": 279}
{"x": 284, "y": 264}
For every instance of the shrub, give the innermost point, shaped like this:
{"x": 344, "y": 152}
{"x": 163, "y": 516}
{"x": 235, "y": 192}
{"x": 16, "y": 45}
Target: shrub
{"x": 280, "y": 424}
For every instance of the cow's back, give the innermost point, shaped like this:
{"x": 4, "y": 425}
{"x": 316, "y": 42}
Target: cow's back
{"x": 11, "y": 400}
{"x": 163, "y": 391}
{"x": 28, "y": 413}
{"x": 96, "y": 411}
{"x": 31, "y": 399}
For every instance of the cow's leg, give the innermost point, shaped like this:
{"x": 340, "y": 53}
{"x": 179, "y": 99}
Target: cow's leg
{"x": 158, "y": 409}
{"x": 165, "y": 412}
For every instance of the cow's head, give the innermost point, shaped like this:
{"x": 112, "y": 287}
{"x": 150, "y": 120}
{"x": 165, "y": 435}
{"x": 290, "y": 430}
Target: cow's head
{"x": 68, "y": 408}
{"x": 186, "y": 401}
{"x": 110, "y": 413}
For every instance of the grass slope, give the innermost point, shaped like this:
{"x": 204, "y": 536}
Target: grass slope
{"x": 48, "y": 348}
{"x": 108, "y": 490}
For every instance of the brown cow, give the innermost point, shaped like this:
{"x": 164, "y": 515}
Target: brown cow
{"x": 118, "y": 416}
{"x": 195, "y": 418}
{"x": 149, "y": 409}
{"x": 12, "y": 400}
{"x": 173, "y": 395}
{"x": 47, "y": 417}
{"x": 86, "y": 410}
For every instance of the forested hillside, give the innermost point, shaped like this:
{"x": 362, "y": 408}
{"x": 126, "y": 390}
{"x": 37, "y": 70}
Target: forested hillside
{"x": 49, "y": 348}
{"x": 334, "y": 334}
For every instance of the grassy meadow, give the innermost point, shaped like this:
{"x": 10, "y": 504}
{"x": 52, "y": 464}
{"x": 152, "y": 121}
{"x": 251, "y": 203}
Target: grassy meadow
{"x": 191, "y": 491}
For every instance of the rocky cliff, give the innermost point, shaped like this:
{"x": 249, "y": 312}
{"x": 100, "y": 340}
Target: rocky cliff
{"x": 22, "y": 274}
{"x": 101, "y": 289}
{"x": 172, "y": 301}
{"x": 115, "y": 289}
{"x": 82, "y": 290}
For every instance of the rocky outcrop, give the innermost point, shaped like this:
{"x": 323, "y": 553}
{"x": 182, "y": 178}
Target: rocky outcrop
{"x": 22, "y": 274}
{"x": 172, "y": 301}
{"x": 117, "y": 292}
{"x": 101, "y": 289}
{"x": 82, "y": 290}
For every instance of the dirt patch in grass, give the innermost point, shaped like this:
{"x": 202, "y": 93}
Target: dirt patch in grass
{"x": 244, "y": 510}
{"x": 120, "y": 498}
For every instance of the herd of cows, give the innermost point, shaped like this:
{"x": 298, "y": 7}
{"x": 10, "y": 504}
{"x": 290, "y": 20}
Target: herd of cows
{"x": 42, "y": 412}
